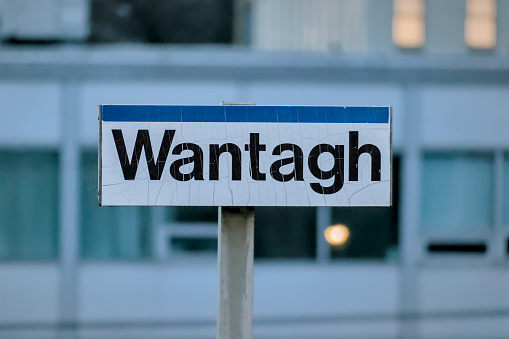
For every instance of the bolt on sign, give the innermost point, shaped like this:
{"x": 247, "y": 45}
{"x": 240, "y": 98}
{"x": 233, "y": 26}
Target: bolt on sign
{"x": 244, "y": 156}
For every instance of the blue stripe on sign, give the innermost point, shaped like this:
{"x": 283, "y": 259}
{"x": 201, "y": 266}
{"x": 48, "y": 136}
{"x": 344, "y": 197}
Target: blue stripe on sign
{"x": 281, "y": 114}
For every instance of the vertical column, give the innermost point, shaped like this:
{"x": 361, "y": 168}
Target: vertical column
{"x": 69, "y": 203}
{"x": 496, "y": 246}
{"x": 323, "y": 220}
{"x": 241, "y": 22}
{"x": 159, "y": 243}
{"x": 409, "y": 242}
{"x": 235, "y": 259}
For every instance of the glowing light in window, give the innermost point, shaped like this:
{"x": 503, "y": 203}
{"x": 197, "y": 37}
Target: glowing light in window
{"x": 480, "y": 24}
{"x": 337, "y": 235}
{"x": 408, "y": 23}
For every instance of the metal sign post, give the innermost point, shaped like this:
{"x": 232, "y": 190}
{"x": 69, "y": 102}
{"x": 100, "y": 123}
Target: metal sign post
{"x": 235, "y": 260}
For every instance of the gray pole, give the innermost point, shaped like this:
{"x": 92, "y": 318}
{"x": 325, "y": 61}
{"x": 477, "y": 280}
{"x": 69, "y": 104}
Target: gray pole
{"x": 409, "y": 242}
{"x": 235, "y": 259}
{"x": 323, "y": 220}
{"x": 69, "y": 205}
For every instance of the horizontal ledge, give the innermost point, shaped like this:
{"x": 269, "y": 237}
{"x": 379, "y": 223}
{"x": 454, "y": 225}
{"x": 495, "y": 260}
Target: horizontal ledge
{"x": 274, "y": 320}
{"x": 195, "y": 230}
{"x": 218, "y": 55}
{"x": 142, "y": 62}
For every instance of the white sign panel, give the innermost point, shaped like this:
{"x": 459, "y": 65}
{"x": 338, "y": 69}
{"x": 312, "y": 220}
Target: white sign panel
{"x": 244, "y": 156}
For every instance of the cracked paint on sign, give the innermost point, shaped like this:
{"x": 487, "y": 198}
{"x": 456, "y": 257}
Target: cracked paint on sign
{"x": 245, "y": 156}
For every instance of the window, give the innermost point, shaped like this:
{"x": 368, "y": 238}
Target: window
{"x": 282, "y": 233}
{"x": 408, "y": 23}
{"x": 457, "y": 194}
{"x": 373, "y": 231}
{"x": 291, "y": 232}
{"x": 313, "y": 25}
{"x": 156, "y": 21}
{"x": 110, "y": 232}
{"x": 480, "y": 24}
{"x": 285, "y": 233}
{"x": 192, "y": 229}
{"x": 28, "y": 205}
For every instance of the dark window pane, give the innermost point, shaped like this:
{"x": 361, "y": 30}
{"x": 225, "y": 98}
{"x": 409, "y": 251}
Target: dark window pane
{"x": 188, "y": 217}
{"x": 28, "y": 205}
{"x": 110, "y": 232}
{"x": 162, "y": 21}
{"x": 193, "y": 214}
{"x": 285, "y": 232}
{"x": 457, "y": 193}
{"x": 194, "y": 245}
{"x": 458, "y": 248}
{"x": 279, "y": 232}
{"x": 373, "y": 230}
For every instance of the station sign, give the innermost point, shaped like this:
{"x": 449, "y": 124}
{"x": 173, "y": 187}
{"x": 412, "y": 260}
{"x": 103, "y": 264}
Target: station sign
{"x": 244, "y": 155}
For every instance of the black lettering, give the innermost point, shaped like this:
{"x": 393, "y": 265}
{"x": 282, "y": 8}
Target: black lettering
{"x": 297, "y": 160}
{"x": 216, "y": 151}
{"x": 355, "y": 152}
{"x": 254, "y": 149}
{"x": 129, "y": 168}
{"x": 336, "y": 171}
{"x": 196, "y": 159}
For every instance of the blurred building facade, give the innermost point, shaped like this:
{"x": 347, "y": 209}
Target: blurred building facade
{"x": 434, "y": 265}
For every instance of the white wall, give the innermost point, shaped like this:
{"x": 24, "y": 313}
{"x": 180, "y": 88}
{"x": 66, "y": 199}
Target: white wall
{"x": 465, "y": 117}
{"x": 285, "y": 294}
{"x": 126, "y": 292}
{"x": 29, "y": 113}
{"x": 292, "y": 300}
{"x": 479, "y": 291}
{"x": 28, "y": 293}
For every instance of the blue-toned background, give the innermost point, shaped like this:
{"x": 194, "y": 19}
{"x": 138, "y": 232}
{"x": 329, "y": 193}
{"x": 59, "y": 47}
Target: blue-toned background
{"x": 435, "y": 265}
